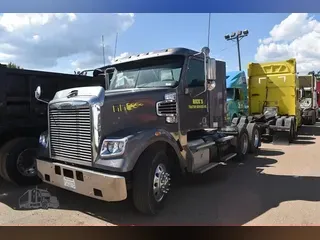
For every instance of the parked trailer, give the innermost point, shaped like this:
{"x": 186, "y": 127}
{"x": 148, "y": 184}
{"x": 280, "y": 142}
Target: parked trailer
{"x": 23, "y": 118}
{"x": 308, "y": 99}
{"x": 163, "y": 114}
{"x": 274, "y": 99}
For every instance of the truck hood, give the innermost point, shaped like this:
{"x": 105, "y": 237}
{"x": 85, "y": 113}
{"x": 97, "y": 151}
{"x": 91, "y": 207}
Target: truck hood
{"x": 131, "y": 109}
{"x": 119, "y": 110}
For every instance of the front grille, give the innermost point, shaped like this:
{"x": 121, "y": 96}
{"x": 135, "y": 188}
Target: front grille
{"x": 70, "y": 134}
{"x": 167, "y": 107}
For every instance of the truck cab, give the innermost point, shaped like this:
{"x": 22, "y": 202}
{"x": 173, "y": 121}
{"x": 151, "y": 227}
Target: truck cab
{"x": 317, "y": 76}
{"x": 160, "y": 115}
{"x": 237, "y": 94}
{"x": 274, "y": 99}
{"x": 308, "y": 98}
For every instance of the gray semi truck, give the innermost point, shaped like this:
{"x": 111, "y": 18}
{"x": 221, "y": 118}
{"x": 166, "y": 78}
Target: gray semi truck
{"x": 162, "y": 114}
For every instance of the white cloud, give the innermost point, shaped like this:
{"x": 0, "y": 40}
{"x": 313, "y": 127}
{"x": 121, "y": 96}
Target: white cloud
{"x": 297, "y": 36}
{"x": 122, "y": 55}
{"x": 40, "y": 41}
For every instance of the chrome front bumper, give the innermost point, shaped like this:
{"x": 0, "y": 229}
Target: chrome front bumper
{"x": 97, "y": 185}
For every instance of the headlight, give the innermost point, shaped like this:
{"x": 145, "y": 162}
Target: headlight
{"x": 43, "y": 139}
{"x": 113, "y": 147}
{"x": 170, "y": 96}
{"x": 270, "y": 110}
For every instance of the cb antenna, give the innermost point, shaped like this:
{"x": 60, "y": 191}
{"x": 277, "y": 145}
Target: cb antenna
{"x": 103, "y": 54}
{"x": 115, "y": 47}
{"x": 209, "y": 29}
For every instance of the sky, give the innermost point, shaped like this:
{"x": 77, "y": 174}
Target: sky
{"x": 65, "y": 42}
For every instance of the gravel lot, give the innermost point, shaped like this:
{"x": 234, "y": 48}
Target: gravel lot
{"x": 277, "y": 187}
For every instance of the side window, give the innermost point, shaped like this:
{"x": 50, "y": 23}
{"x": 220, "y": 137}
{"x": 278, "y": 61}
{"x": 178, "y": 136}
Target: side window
{"x": 241, "y": 93}
{"x": 237, "y": 94}
{"x": 195, "y": 73}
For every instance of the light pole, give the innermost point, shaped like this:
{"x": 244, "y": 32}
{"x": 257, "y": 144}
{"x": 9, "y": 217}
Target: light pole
{"x": 237, "y": 37}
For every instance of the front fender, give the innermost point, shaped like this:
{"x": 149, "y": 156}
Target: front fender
{"x": 137, "y": 143}
{"x": 142, "y": 140}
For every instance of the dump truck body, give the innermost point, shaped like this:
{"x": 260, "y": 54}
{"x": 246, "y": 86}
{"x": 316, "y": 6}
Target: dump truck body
{"x": 23, "y": 118}
{"x": 274, "y": 97}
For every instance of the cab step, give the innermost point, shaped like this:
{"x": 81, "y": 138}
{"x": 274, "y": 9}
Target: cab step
{"x": 206, "y": 167}
{"x": 228, "y": 157}
{"x": 225, "y": 139}
{"x": 215, "y": 164}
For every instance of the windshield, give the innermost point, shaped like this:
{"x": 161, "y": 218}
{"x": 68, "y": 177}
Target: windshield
{"x": 230, "y": 93}
{"x": 307, "y": 94}
{"x": 148, "y": 73}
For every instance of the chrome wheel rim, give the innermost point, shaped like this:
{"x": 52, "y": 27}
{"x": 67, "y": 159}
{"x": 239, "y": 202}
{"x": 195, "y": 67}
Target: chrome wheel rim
{"x": 256, "y": 138}
{"x": 26, "y": 162}
{"x": 244, "y": 144}
{"x": 161, "y": 182}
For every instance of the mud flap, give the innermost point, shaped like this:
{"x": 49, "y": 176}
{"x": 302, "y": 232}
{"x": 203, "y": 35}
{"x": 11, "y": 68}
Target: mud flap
{"x": 282, "y": 131}
{"x": 281, "y": 138}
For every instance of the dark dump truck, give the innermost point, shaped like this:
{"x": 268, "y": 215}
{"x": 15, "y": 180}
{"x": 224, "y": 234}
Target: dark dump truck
{"x": 23, "y": 118}
{"x": 163, "y": 114}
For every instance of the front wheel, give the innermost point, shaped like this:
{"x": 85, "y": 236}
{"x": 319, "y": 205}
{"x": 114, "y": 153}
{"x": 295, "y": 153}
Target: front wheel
{"x": 151, "y": 182}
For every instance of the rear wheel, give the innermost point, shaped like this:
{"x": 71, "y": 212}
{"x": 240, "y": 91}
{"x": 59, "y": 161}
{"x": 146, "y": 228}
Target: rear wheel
{"x": 295, "y": 131}
{"x": 254, "y": 137}
{"x": 314, "y": 119}
{"x": 290, "y": 123}
{"x": 151, "y": 182}
{"x": 17, "y": 161}
{"x": 242, "y": 143}
{"x": 45, "y": 205}
{"x": 311, "y": 117}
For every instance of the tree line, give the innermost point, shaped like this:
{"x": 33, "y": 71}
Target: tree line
{"x": 13, "y": 65}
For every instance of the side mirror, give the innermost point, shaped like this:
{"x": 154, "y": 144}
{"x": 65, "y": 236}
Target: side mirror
{"x": 211, "y": 73}
{"x": 106, "y": 80}
{"x": 211, "y": 85}
{"x": 301, "y": 92}
{"x": 37, "y": 93}
{"x": 211, "y": 69}
{"x": 106, "y": 76}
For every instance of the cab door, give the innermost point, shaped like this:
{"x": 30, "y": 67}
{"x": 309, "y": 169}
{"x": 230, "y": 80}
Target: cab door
{"x": 193, "y": 100}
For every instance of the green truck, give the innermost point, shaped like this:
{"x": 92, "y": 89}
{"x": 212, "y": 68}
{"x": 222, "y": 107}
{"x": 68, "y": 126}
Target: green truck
{"x": 237, "y": 95}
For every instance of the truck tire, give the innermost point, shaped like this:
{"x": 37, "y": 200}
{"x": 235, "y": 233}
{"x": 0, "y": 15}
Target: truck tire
{"x": 45, "y": 205}
{"x": 290, "y": 123}
{"x": 151, "y": 179}
{"x": 311, "y": 117}
{"x": 295, "y": 131}
{"x": 314, "y": 119}
{"x": 242, "y": 143}
{"x": 254, "y": 137}
{"x": 17, "y": 161}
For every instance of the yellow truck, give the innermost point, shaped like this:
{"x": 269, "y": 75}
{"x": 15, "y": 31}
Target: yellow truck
{"x": 273, "y": 91}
